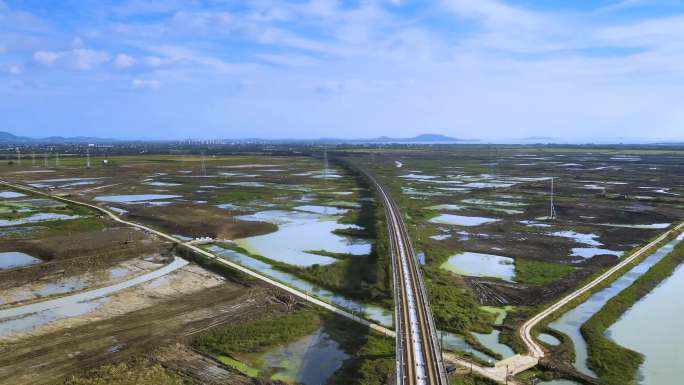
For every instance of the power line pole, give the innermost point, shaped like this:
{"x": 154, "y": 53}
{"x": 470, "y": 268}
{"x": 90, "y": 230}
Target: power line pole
{"x": 552, "y": 213}
{"x": 33, "y": 158}
{"x": 45, "y": 158}
{"x": 87, "y": 158}
{"x": 18, "y": 156}
{"x": 204, "y": 168}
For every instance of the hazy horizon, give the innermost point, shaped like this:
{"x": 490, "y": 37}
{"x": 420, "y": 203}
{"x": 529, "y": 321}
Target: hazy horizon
{"x": 486, "y": 69}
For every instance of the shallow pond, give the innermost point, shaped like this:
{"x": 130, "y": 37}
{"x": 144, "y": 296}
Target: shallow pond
{"x": 66, "y": 285}
{"x": 299, "y": 232}
{"x": 417, "y": 176}
{"x": 311, "y": 360}
{"x": 588, "y": 252}
{"x": 456, "y": 342}
{"x": 14, "y": 259}
{"x": 118, "y": 210}
{"x": 28, "y": 317}
{"x": 485, "y": 202}
{"x": 548, "y": 338}
{"x": 374, "y": 313}
{"x": 118, "y": 272}
{"x": 39, "y": 217}
{"x": 451, "y": 219}
{"x": 134, "y": 198}
{"x": 162, "y": 184}
{"x": 587, "y": 239}
{"x": 11, "y": 194}
{"x": 448, "y": 207}
{"x": 323, "y": 210}
{"x": 481, "y": 265}
{"x": 64, "y": 182}
{"x": 653, "y": 226}
{"x": 661, "y": 342}
{"x": 491, "y": 341}
{"x": 570, "y": 322}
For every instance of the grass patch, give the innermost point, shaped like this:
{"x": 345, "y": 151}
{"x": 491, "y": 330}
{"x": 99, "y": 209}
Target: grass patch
{"x": 239, "y": 366}
{"x": 260, "y": 335}
{"x": 127, "y": 373}
{"x": 454, "y": 309}
{"x": 469, "y": 379}
{"x": 539, "y": 273}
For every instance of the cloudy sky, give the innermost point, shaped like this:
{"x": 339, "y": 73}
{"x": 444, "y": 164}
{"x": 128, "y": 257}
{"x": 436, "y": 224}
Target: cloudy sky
{"x": 263, "y": 68}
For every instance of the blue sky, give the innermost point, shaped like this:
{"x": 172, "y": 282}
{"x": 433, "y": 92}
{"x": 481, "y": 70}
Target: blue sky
{"x": 220, "y": 68}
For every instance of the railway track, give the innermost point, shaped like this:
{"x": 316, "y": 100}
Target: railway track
{"x": 419, "y": 358}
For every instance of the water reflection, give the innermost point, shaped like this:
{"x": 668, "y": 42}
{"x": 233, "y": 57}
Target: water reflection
{"x": 571, "y": 321}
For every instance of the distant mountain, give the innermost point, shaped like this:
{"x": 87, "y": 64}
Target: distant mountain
{"x": 423, "y": 138}
{"x": 9, "y": 138}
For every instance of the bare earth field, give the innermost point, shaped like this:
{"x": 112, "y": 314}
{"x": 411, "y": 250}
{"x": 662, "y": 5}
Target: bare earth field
{"x": 150, "y": 326}
{"x": 479, "y": 219}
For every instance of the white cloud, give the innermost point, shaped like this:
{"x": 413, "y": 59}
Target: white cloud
{"x": 287, "y": 59}
{"x": 15, "y": 69}
{"x": 77, "y": 43}
{"x": 145, "y": 84}
{"x": 46, "y": 57}
{"x": 493, "y": 13}
{"x": 155, "y": 61}
{"x": 80, "y": 58}
{"x": 123, "y": 61}
{"x": 85, "y": 59}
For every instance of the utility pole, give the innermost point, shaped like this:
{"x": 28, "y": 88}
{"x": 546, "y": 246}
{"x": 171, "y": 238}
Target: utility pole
{"x": 45, "y": 158}
{"x": 18, "y": 156}
{"x": 87, "y": 158}
{"x": 33, "y": 158}
{"x": 552, "y": 213}
{"x": 56, "y": 159}
{"x": 204, "y": 168}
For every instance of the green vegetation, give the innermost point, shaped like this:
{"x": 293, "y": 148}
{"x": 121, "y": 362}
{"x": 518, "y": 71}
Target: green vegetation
{"x": 455, "y": 309}
{"x": 539, "y": 273}
{"x": 615, "y": 364}
{"x": 367, "y": 279}
{"x": 135, "y": 373}
{"x": 239, "y": 365}
{"x": 260, "y": 335}
{"x": 373, "y": 355}
{"x": 469, "y": 379}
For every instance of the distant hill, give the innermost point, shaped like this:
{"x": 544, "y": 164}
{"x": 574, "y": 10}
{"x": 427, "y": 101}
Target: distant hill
{"x": 418, "y": 138}
{"x": 9, "y": 138}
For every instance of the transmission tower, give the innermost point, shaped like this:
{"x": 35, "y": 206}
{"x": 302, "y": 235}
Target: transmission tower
{"x": 18, "y": 156}
{"x": 57, "y": 159}
{"x": 33, "y": 158}
{"x": 204, "y": 168}
{"x": 325, "y": 163}
{"x": 88, "y": 158}
{"x": 45, "y": 158}
{"x": 552, "y": 213}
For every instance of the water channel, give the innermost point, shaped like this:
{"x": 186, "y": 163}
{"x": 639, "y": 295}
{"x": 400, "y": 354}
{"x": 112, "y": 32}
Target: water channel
{"x": 571, "y": 321}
